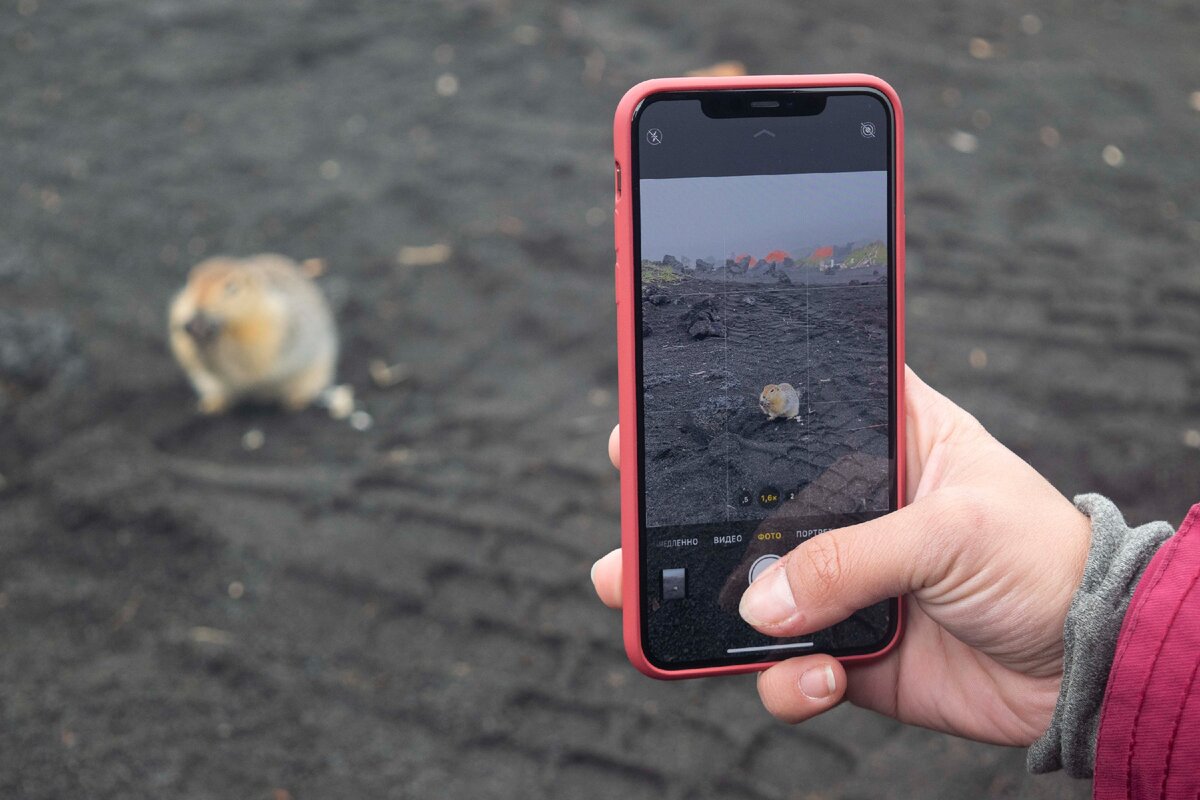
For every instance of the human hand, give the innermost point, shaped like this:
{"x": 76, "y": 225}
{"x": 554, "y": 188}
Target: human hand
{"x": 988, "y": 555}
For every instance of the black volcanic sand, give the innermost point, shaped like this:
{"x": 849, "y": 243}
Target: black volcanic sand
{"x": 405, "y": 612}
{"x": 711, "y": 349}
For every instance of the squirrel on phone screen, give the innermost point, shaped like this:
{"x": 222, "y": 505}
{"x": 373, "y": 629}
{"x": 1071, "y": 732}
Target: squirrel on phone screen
{"x": 253, "y": 328}
{"x": 779, "y": 400}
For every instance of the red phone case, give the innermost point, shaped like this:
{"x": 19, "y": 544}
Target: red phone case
{"x": 626, "y": 297}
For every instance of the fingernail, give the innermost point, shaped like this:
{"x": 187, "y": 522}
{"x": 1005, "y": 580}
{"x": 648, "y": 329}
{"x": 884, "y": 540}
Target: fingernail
{"x": 769, "y": 599}
{"x": 593, "y": 573}
{"x": 818, "y": 683}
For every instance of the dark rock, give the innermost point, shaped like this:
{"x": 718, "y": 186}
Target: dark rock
{"x": 703, "y": 319}
{"x": 647, "y": 330}
{"x": 737, "y": 267}
{"x": 783, "y": 278}
{"x": 658, "y": 299}
{"x": 704, "y": 265}
{"x": 671, "y": 261}
{"x": 35, "y": 348}
{"x": 14, "y": 264}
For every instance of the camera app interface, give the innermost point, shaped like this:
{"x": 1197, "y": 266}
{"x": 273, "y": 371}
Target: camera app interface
{"x": 766, "y": 360}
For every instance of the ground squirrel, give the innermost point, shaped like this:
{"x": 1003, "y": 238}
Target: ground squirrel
{"x": 779, "y": 400}
{"x": 253, "y": 329}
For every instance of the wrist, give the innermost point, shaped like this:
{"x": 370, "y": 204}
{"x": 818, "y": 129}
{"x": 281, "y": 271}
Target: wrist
{"x": 1116, "y": 557}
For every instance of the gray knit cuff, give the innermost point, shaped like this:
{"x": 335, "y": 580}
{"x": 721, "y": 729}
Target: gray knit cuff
{"x": 1117, "y": 557}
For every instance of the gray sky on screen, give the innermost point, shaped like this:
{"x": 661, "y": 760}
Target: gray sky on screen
{"x": 719, "y": 217}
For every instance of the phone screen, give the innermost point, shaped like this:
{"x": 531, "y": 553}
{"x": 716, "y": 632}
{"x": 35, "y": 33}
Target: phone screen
{"x": 763, "y": 234}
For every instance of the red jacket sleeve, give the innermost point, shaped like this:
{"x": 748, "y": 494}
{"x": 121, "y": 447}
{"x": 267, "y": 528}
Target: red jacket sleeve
{"x": 1149, "y": 740}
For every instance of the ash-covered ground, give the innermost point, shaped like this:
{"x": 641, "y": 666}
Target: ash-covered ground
{"x": 710, "y": 347}
{"x": 405, "y": 612}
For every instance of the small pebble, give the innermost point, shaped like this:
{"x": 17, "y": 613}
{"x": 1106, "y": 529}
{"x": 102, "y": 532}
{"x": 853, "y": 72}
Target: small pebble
{"x": 1191, "y": 438}
{"x": 526, "y": 35}
{"x": 424, "y": 255}
{"x": 401, "y": 455}
{"x": 1195, "y": 101}
{"x": 205, "y": 635}
{"x": 981, "y": 48}
{"x": 978, "y": 358}
{"x": 510, "y": 226}
{"x": 446, "y": 85}
{"x": 593, "y": 66}
{"x": 330, "y": 169}
{"x": 964, "y": 142}
{"x": 722, "y": 69}
{"x": 1049, "y": 136}
{"x": 385, "y": 375}
{"x": 253, "y": 439}
{"x": 361, "y": 421}
{"x": 236, "y": 590}
{"x": 1112, "y": 155}
{"x": 1031, "y": 24}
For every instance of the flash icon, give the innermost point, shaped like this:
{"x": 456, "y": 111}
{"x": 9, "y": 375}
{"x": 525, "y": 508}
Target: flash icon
{"x": 867, "y": 129}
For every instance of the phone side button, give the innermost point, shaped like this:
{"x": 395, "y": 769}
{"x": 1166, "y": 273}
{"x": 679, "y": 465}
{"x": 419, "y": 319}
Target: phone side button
{"x": 617, "y": 282}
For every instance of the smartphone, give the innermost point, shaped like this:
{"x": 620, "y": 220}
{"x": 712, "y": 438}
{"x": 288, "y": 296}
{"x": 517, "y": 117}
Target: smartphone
{"x": 760, "y": 305}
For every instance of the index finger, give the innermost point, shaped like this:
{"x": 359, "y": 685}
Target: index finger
{"x": 606, "y": 577}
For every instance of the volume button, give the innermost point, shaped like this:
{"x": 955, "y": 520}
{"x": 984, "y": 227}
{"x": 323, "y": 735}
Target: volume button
{"x": 617, "y": 283}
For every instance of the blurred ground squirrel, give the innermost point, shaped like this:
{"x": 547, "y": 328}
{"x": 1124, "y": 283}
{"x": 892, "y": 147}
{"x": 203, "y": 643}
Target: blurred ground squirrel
{"x": 253, "y": 329}
{"x": 779, "y": 400}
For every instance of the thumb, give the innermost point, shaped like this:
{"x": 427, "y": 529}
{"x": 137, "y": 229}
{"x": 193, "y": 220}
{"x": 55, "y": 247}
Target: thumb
{"x": 834, "y": 574}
